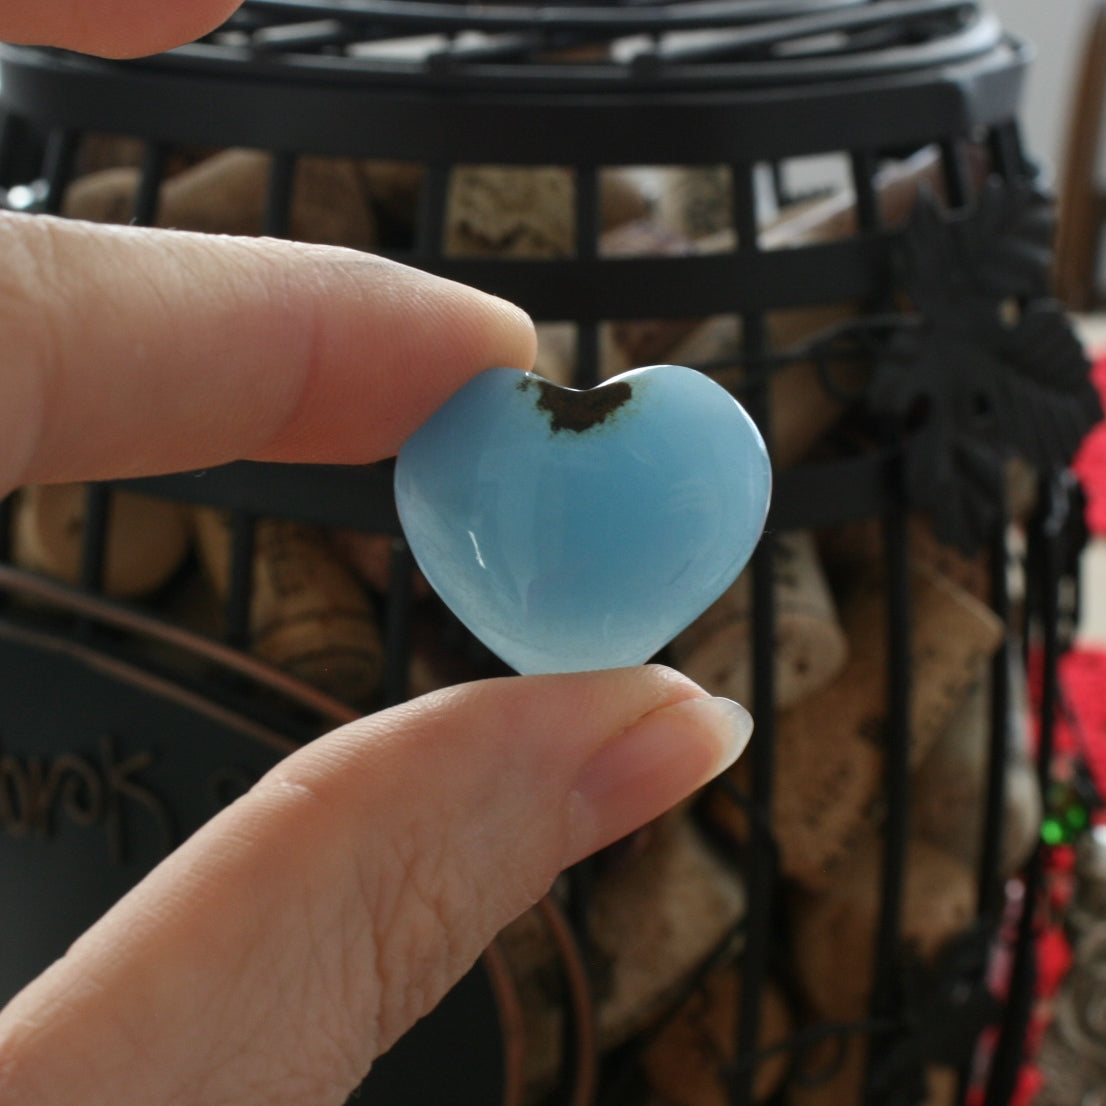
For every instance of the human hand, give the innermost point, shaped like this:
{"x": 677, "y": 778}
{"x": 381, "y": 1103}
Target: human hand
{"x": 299, "y": 933}
{"x": 111, "y": 28}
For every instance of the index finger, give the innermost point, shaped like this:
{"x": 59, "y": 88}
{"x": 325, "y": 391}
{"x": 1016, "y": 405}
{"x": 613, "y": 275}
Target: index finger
{"x": 129, "y": 351}
{"x": 114, "y": 28}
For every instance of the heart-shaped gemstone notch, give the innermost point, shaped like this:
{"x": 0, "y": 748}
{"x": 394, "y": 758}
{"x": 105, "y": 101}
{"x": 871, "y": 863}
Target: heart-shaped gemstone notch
{"x": 573, "y": 530}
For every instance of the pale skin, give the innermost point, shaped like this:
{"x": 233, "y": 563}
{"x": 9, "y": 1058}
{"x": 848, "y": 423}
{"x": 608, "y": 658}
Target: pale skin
{"x": 301, "y": 932}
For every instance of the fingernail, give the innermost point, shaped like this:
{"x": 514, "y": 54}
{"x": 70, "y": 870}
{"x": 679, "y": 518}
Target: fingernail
{"x": 648, "y": 768}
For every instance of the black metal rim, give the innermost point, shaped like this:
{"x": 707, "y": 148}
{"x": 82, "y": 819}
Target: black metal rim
{"x": 315, "y": 107}
{"x": 718, "y": 46}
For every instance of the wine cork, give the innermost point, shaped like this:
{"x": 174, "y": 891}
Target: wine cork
{"x": 716, "y": 650}
{"x": 528, "y": 211}
{"x": 949, "y": 789}
{"x": 147, "y": 539}
{"x": 394, "y": 188}
{"x": 896, "y": 189}
{"x": 370, "y": 557}
{"x": 557, "y": 359}
{"x": 193, "y": 604}
{"x": 834, "y": 935}
{"x": 834, "y": 930}
{"x": 857, "y": 548}
{"x": 653, "y": 921}
{"x": 226, "y": 194}
{"x": 695, "y": 201}
{"x": 105, "y": 196}
{"x": 829, "y": 1072}
{"x": 510, "y": 211}
{"x": 686, "y": 1062}
{"x": 833, "y": 950}
{"x": 942, "y": 1085}
{"x": 100, "y": 151}
{"x": 309, "y": 615}
{"x": 832, "y": 1072}
{"x": 972, "y": 572}
{"x": 622, "y": 199}
{"x": 109, "y": 151}
{"x": 643, "y": 341}
{"x": 829, "y": 747}
{"x": 530, "y": 951}
{"x": 800, "y": 406}
{"x": 188, "y": 603}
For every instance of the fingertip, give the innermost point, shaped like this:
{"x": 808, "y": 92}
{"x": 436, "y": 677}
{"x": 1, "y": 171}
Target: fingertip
{"x": 515, "y": 330}
{"x": 476, "y": 330}
{"x": 528, "y": 336}
{"x": 648, "y": 768}
{"x": 111, "y": 28}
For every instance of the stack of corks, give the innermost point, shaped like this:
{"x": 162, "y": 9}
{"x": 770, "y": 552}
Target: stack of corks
{"x": 661, "y": 907}
{"x": 664, "y": 916}
{"x": 312, "y": 613}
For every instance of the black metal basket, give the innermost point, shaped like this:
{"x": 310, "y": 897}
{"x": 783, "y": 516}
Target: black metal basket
{"x": 960, "y": 352}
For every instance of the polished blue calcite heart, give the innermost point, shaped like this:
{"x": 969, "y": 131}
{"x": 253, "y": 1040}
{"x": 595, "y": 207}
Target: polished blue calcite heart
{"x": 573, "y": 530}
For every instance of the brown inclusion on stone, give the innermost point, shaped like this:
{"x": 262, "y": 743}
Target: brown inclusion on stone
{"x": 578, "y": 411}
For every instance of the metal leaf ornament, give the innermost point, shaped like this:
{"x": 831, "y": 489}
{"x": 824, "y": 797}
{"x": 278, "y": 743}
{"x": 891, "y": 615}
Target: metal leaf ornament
{"x": 988, "y": 367}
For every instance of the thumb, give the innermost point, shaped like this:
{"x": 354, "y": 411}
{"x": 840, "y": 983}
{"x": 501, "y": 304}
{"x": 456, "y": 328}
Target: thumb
{"x": 298, "y": 934}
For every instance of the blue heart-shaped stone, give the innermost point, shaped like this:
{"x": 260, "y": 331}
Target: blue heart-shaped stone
{"x": 573, "y": 530}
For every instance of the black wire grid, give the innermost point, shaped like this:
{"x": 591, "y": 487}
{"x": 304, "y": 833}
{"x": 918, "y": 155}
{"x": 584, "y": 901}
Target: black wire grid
{"x": 737, "y": 83}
